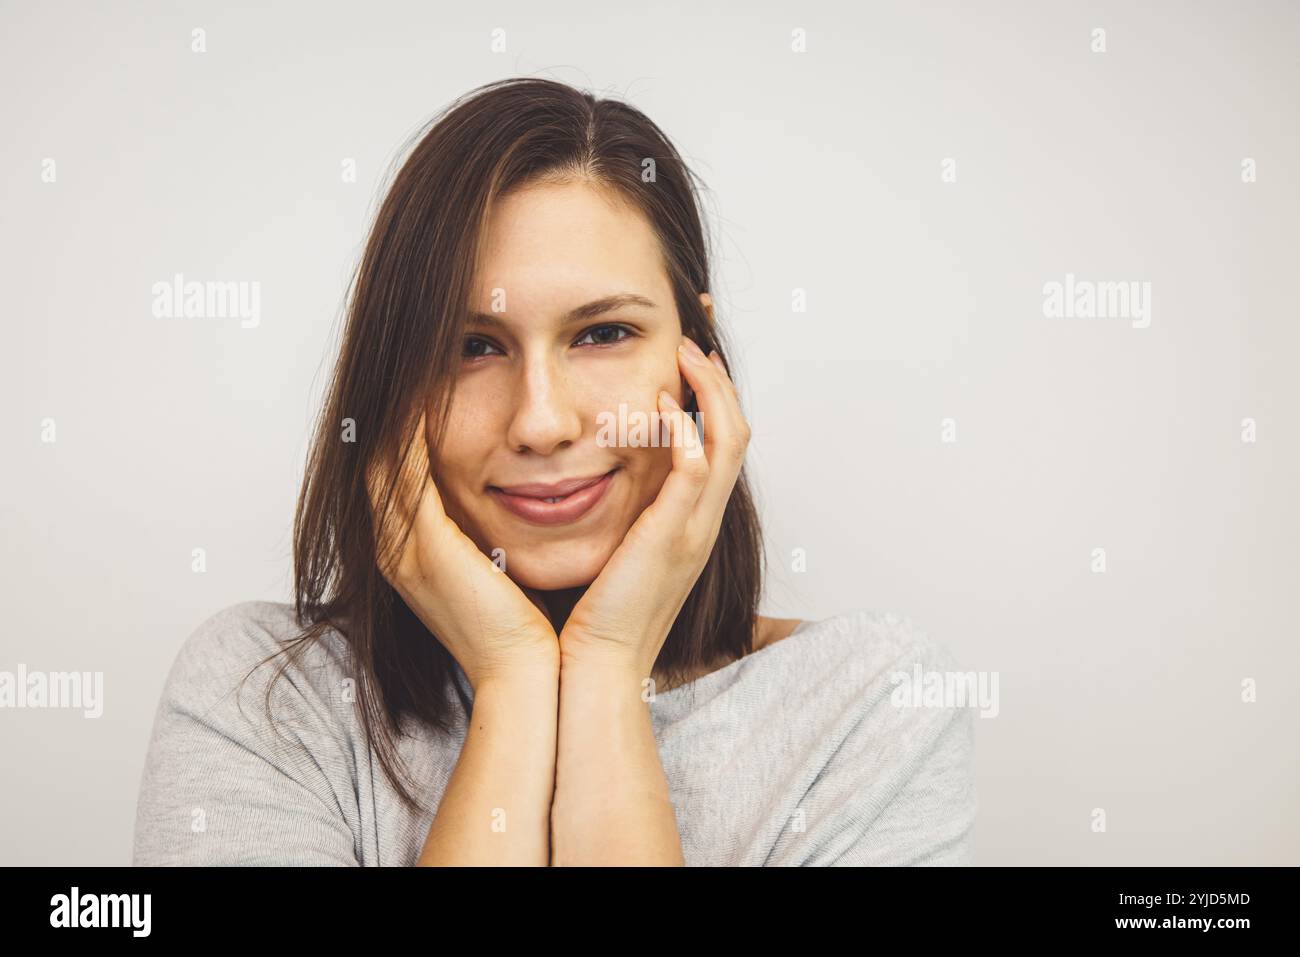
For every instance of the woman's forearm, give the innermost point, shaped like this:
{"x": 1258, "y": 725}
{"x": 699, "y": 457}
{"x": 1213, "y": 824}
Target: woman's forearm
{"x": 611, "y": 803}
{"x": 496, "y": 809}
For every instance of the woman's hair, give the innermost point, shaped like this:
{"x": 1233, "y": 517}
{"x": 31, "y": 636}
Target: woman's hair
{"x": 401, "y": 351}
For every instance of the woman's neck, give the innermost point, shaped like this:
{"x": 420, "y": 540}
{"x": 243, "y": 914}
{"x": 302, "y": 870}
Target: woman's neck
{"x": 559, "y": 604}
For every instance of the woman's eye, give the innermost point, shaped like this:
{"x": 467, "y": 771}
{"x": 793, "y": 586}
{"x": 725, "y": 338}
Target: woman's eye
{"x": 477, "y": 347}
{"x": 605, "y": 340}
{"x": 470, "y": 351}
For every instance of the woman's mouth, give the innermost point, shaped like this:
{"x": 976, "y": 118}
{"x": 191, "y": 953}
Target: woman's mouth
{"x": 554, "y": 509}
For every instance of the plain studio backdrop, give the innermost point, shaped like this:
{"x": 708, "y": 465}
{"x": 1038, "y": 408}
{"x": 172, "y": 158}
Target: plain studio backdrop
{"x": 891, "y": 189}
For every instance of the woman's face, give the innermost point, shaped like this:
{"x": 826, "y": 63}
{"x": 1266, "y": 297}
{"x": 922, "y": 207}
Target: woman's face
{"x": 536, "y": 384}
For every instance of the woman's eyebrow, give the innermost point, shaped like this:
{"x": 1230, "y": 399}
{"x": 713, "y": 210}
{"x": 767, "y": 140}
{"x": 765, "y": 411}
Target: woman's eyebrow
{"x": 583, "y": 313}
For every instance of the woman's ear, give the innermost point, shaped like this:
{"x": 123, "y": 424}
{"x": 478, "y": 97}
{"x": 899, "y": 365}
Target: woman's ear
{"x": 707, "y": 301}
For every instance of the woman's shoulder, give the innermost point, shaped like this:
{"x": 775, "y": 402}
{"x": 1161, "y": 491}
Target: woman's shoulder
{"x": 247, "y": 643}
{"x": 882, "y": 672}
{"x": 247, "y": 627}
{"x": 247, "y": 763}
{"x": 867, "y": 642}
{"x": 897, "y": 785}
{"x": 863, "y": 663}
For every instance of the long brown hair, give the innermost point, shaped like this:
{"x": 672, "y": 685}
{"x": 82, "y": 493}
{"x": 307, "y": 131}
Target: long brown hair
{"x": 401, "y": 350}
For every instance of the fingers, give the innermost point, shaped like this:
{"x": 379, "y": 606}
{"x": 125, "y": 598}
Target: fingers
{"x": 415, "y": 472}
{"x": 417, "y": 499}
{"x": 695, "y": 494}
{"x": 690, "y": 472}
{"x": 726, "y": 433}
{"x": 726, "y": 377}
{"x": 382, "y": 521}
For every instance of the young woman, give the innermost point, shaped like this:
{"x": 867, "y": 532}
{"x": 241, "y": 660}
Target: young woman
{"x": 528, "y": 564}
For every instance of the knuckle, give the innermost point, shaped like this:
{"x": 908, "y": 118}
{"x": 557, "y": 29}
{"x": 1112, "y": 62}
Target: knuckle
{"x": 681, "y": 542}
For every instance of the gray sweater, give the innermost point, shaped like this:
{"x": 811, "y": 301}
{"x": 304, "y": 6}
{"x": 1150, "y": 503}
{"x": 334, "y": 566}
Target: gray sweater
{"x": 796, "y": 754}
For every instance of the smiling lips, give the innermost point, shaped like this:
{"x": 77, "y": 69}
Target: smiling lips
{"x": 553, "y": 504}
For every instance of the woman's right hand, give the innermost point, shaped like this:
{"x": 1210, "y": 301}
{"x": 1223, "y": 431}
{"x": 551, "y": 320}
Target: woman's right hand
{"x": 488, "y": 623}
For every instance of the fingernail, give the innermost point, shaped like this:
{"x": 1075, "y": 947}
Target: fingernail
{"x": 668, "y": 400}
{"x": 692, "y": 351}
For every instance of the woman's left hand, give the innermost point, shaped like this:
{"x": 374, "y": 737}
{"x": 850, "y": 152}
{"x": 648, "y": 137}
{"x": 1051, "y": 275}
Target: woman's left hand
{"x": 625, "y": 615}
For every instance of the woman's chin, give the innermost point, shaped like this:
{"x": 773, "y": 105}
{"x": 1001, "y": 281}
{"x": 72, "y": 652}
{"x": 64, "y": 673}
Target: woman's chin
{"x": 553, "y": 566}
{"x": 551, "y": 579}
{"x": 558, "y": 568}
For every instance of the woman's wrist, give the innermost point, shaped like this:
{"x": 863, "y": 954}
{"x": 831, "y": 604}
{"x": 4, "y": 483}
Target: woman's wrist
{"x": 537, "y": 666}
{"x": 578, "y": 654}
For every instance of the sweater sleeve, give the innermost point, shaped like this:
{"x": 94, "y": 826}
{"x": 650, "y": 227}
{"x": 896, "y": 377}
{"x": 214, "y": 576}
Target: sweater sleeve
{"x": 222, "y": 786}
{"x": 930, "y": 820}
{"x": 897, "y": 789}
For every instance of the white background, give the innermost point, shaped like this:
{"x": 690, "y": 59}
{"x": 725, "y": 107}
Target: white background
{"x": 1119, "y": 691}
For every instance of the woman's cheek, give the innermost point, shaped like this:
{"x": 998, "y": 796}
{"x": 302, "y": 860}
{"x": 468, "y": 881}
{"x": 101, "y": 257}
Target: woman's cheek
{"x": 474, "y": 406}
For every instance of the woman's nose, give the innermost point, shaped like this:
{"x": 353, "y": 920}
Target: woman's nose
{"x": 544, "y": 414}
